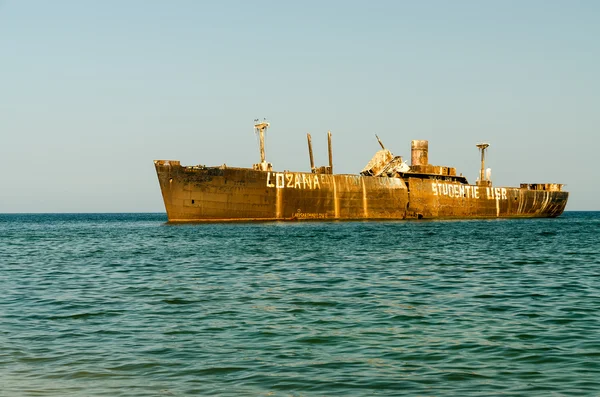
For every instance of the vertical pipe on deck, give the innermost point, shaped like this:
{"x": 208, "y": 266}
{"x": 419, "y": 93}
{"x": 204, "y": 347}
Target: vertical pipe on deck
{"x": 482, "y": 172}
{"x": 482, "y": 178}
{"x": 310, "y": 153}
{"x": 330, "y": 154}
{"x": 261, "y": 133}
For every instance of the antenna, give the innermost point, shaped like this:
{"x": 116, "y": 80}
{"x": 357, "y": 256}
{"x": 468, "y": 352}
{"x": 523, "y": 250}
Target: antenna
{"x": 379, "y": 140}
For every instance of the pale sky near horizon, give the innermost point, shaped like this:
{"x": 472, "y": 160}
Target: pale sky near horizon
{"x": 92, "y": 92}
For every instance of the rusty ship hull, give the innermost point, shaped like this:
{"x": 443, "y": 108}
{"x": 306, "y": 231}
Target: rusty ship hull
{"x": 386, "y": 188}
{"x": 197, "y": 193}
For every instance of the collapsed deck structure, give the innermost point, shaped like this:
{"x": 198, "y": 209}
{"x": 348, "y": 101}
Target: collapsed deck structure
{"x": 387, "y": 188}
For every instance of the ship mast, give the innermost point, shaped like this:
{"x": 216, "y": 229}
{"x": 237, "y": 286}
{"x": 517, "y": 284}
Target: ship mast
{"x": 482, "y": 179}
{"x": 260, "y": 128}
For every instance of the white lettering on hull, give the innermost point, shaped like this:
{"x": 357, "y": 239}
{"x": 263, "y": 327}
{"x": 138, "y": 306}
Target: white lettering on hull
{"x": 467, "y": 191}
{"x": 294, "y": 181}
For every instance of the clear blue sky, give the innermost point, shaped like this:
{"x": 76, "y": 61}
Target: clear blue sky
{"x": 92, "y": 91}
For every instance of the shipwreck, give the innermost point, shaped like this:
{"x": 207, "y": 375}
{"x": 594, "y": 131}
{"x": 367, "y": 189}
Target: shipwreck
{"x": 386, "y": 188}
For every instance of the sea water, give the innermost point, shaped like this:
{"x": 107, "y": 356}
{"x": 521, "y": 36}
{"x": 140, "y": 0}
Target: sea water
{"x": 128, "y": 305}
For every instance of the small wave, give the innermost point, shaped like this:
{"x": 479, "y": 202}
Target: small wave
{"x": 219, "y": 370}
{"x": 177, "y": 301}
{"x": 317, "y": 340}
{"x": 83, "y": 316}
{"x": 463, "y": 376}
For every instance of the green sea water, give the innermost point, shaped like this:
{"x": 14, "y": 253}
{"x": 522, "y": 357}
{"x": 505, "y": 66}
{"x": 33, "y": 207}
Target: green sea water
{"x": 127, "y": 305}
